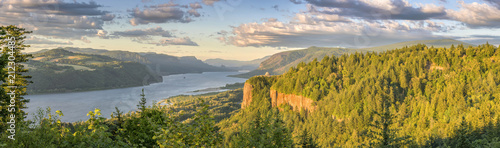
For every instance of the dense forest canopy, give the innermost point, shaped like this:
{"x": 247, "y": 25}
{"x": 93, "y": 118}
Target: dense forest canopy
{"x": 423, "y": 95}
{"x": 415, "y": 96}
{"x": 279, "y": 63}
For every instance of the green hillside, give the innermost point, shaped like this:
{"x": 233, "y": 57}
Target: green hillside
{"x": 415, "y": 96}
{"x": 410, "y": 97}
{"x": 60, "y": 70}
{"x": 279, "y": 63}
{"x": 436, "y": 43}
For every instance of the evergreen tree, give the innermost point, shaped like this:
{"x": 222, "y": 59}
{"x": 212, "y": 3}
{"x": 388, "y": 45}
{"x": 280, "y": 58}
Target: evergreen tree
{"x": 266, "y": 131}
{"x": 142, "y": 102}
{"x": 382, "y": 132}
{"x": 118, "y": 115}
{"x": 13, "y": 74}
{"x": 305, "y": 140}
{"x": 462, "y": 136}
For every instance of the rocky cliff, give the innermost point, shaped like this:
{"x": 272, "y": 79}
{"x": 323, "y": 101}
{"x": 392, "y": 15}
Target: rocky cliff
{"x": 247, "y": 95}
{"x": 295, "y": 101}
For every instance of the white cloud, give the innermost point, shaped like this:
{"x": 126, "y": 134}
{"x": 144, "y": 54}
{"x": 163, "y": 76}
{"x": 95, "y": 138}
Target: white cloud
{"x": 209, "y": 2}
{"x": 195, "y": 5}
{"x": 55, "y": 18}
{"x": 476, "y": 15}
{"x": 159, "y": 15}
{"x": 163, "y": 13}
{"x": 431, "y": 8}
{"x": 378, "y": 9}
{"x": 85, "y": 40}
{"x": 37, "y": 40}
{"x": 139, "y": 33}
{"x": 186, "y": 41}
{"x": 323, "y": 33}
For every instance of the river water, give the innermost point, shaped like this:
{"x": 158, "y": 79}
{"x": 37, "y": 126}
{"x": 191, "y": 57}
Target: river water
{"x": 75, "y": 106}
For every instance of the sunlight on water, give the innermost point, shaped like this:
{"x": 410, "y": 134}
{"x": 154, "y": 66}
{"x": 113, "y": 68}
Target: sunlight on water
{"x": 76, "y": 105}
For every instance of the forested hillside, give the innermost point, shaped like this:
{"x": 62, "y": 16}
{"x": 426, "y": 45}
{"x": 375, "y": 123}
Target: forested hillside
{"x": 411, "y": 97}
{"x": 279, "y": 63}
{"x": 440, "y": 43}
{"x": 59, "y": 70}
{"x": 414, "y": 96}
{"x": 160, "y": 63}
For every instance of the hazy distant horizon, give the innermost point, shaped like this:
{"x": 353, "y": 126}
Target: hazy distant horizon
{"x": 247, "y": 30}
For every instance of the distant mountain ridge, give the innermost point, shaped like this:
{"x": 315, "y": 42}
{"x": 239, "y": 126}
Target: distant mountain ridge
{"x": 59, "y": 70}
{"x": 279, "y": 63}
{"x": 235, "y": 64}
{"x": 161, "y": 63}
{"x": 83, "y": 69}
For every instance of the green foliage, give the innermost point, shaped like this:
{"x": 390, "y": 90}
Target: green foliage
{"x": 265, "y": 130}
{"x": 416, "y": 96}
{"x": 14, "y": 79}
{"x": 47, "y": 130}
{"x": 142, "y": 103}
{"x": 260, "y": 93}
{"x": 201, "y": 133}
{"x": 222, "y": 105}
{"x": 413, "y": 96}
{"x": 233, "y": 86}
{"x": 435, "y": 43}
{"x": 154, "y": 126}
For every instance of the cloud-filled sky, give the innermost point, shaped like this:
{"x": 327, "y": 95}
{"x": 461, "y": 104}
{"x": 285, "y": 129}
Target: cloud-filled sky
{"x": 247, "y": 29}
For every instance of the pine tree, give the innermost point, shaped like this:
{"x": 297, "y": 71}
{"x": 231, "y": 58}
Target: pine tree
{"x": 382, "y": 134}
{"x": 142, "y": 103}
{"x": 118, "y": 115}
{"x": 305, "y": 140}
{"x": 13, "y": 74}
{"x": 403, "y": 79}
{"x": 462, "y": 135}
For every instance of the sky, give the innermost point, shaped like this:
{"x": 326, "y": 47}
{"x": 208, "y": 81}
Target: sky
{"x": 247, "y": 29}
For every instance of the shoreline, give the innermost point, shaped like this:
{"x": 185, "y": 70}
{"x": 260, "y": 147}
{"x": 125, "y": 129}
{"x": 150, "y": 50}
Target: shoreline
{"x": 109, "y": 88}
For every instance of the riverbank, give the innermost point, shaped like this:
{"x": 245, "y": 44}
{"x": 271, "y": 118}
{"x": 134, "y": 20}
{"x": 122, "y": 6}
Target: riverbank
{"x": 75, "y": 105}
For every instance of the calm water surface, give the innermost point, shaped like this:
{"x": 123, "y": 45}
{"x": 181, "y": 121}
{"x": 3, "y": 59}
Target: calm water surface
{"x": 75, "y": 106}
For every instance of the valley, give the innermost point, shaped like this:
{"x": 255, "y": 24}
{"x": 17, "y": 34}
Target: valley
{"x": 73, "y": 69}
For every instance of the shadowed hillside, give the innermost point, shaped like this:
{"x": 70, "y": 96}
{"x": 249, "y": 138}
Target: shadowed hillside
{"x": 161, "y": 63}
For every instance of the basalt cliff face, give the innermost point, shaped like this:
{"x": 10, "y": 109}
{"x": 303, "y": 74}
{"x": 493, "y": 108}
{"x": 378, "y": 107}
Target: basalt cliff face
{"x": 295, "y": 101}
{"x": 247, "y": 95}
